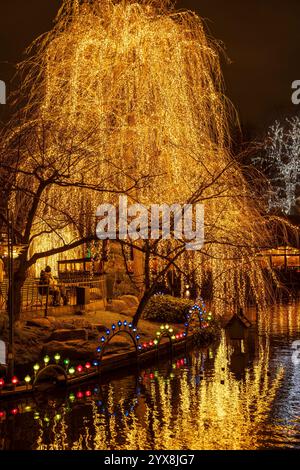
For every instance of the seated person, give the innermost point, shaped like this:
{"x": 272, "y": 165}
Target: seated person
{"x": 47, "y": 279}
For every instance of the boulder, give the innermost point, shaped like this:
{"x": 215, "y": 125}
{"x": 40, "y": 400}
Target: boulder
{"x": 82, "y": 323}
{"x": 63, "y": 325}
{"x": 76, "y": 350}
{"x": 129, "y": 312}
{"x": 80, "y": 313}
{"x": 117, "y": 306}
{"x": 100, "y": 328}
{"x": 26, "y": 355}
{"x": 93, "y": 334}
{"x": 29, "y": 335}
{"x": 67, "y": 335}
{"x": 130, "y": 300}
{"x": 39, "y": 323}
{"x": 119, "y": 346}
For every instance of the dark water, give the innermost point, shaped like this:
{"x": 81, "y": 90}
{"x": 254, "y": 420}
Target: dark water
{"x": 229, "y": 396}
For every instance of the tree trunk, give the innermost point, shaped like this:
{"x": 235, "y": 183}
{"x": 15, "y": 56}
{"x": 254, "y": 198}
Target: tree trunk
{"x": 18, "y": 282}
{"x": 143, "y": 302}
{"x": 17, "y": 298}
{"x": 149, "y": 290}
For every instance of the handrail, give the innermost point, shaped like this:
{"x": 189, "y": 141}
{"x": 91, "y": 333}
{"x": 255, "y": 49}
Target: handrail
{"x": 33, "y": 292}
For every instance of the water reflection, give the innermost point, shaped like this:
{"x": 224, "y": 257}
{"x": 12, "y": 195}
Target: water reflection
{"x": 230, "y": 396}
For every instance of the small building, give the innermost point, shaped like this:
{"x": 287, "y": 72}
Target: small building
{"x": 281, "y": 258}
{"x": 237, "y": 327}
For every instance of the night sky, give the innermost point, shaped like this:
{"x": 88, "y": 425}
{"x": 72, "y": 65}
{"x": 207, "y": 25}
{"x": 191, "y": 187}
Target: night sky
{"x": 261, "y": 38}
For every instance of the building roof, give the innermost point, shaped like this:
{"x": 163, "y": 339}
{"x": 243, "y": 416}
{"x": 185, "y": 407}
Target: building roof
{"x": 240, "y": 317}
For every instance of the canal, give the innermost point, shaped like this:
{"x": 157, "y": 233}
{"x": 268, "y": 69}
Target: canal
{"x": 227, "y": 396}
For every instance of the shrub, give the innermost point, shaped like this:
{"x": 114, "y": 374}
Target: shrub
{"x": 208, "y": 335}
{"x": 165, "y": 308}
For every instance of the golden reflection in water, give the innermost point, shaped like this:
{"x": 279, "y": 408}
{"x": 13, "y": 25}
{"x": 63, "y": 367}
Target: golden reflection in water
{"x": 181, "y": 410}
{"x": 55, "y": 430}
{"x": 280, "y": 318}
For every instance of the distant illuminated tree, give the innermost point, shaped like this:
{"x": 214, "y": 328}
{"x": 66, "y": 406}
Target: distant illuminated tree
{"x": 281, "y": 164}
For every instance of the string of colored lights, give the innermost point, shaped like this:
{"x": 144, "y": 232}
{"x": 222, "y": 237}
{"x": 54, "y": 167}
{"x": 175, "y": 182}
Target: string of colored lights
{"x": 70, "y": 371}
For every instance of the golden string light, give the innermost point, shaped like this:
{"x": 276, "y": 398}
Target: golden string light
{"x": 140, "y": 86}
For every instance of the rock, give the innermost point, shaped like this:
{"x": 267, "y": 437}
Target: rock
{"x": 119, "y": 344}
{"x": 82, "y": 323}
{"x": 117, "y": 306}
{"x": 63, "y": 325}
{"x": 100, "y": 328}
{"x": 29, "y": 335}
{"x": 131, "y": 300}
{"x": 129, "y": 312}
{"x": 80, "y": 313}
{"x": 67, "y": 335}
{"x": 39, "y": 323}
{"x": 27, "y": 355}
{"x": 93, "y": 334}
{"x": 76, "y": 350}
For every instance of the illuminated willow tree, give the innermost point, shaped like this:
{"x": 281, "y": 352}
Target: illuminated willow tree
{"x": 140, "y": 87}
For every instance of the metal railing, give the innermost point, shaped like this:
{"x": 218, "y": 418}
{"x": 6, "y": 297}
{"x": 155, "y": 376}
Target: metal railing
{"x": 42, "y": 297}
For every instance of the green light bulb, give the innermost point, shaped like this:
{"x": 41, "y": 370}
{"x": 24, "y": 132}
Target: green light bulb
{"x": 46, "y": 360}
